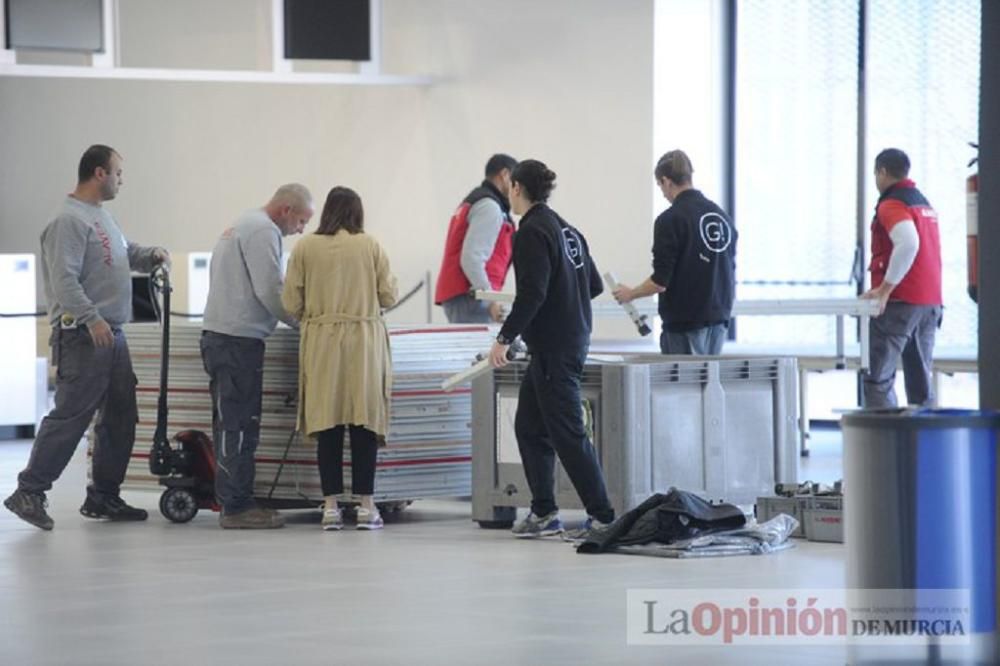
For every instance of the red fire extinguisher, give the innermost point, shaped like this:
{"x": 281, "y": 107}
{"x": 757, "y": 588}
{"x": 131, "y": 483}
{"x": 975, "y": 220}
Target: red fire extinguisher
{"x": 972, "y": 228}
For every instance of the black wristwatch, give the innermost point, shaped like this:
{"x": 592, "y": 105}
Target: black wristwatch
{"x": 503, "y": 339}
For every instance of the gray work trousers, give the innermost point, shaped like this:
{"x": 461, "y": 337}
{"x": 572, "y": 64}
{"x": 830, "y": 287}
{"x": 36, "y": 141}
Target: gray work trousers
{"x": 906, "y": 332}
{"x": 89, "y": 380}
{"x": 236, "y": 368}
{"x": 705, "y": 341}
{"x": 464, "y": 309}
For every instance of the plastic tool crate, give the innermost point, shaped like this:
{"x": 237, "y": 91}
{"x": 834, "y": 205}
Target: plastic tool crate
{"x": 823, "y": 519}
{"x": 770, "y": 507}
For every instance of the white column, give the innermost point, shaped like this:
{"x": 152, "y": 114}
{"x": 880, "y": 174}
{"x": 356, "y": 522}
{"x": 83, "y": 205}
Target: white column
{"x": 698, "y": 124}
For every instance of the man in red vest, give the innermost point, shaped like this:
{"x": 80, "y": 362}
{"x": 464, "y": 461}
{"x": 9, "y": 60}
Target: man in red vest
{"x": 906, "y": 280}
{"x": 479, "y": 247}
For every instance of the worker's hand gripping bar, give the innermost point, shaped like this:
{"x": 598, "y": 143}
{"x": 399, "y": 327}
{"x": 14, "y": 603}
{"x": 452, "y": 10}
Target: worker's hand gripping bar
{"x": 481, "y": 367}
{"x": 498, "y": 296}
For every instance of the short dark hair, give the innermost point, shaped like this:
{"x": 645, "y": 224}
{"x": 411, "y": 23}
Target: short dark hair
{"x": 894, "y": 161}
{"x": 676, "y": 166}
{"x": 97, "y": 155}
{"x": 498, "y": 163}
{"x": 342, "y": 210}
{"x": 536, "y": 178}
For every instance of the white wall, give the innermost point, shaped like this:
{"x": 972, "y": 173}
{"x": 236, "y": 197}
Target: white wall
{"x": 565, "y": 81}
{"x": 689, "y": 91}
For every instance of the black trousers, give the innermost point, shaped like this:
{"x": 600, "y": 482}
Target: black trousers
{"x": 549, "y": 422}
{"x": 330, "y": 452}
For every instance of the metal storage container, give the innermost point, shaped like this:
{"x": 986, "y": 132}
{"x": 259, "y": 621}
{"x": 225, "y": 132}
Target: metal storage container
{"x": 723, "y": 428}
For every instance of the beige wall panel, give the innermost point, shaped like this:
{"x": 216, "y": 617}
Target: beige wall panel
{"x": 565, "y": 81}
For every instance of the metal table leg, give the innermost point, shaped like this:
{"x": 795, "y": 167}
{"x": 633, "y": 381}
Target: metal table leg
{"x": 803, "y": 412}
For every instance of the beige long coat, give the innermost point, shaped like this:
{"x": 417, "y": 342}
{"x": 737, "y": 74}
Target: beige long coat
{"x": 336, "y": 286}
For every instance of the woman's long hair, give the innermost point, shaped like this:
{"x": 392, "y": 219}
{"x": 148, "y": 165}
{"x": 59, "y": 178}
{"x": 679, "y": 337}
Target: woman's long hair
{"x": 342, "y": 210}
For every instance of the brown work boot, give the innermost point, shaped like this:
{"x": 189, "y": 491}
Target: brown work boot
{"x": 252, "y": 519}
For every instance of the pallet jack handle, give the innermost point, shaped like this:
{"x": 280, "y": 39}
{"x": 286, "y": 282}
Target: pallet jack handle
{"x": 160, "y": 279}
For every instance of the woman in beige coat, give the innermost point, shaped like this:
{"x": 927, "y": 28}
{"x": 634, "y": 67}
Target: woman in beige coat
{"x": 338, "y": 280}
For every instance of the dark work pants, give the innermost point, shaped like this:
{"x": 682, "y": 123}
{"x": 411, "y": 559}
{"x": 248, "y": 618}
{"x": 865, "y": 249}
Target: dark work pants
{"x": 236, "y": 368}
{"x": 705, "y": 341}
{"x": 903, "y": 332}
{"x": 364, "y": 453}
{"x": 549, "y": 422}
{"x": 89, "y": 380}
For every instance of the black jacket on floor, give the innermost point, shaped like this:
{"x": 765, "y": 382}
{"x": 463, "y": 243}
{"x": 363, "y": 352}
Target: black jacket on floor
{"x": 665, "y": 519}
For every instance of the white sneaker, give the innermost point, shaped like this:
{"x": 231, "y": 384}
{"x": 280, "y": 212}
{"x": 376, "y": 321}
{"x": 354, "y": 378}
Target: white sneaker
{"x": 369, "y": 520}
{"x": 538, "y": 526}
{"x": 333, "y": 520}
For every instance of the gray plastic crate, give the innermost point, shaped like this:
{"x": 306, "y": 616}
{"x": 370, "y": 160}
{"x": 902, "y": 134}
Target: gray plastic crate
{"x": 723, "y": 428}
{"x": 823, "y": 518}
{"x": 770, "y": 507}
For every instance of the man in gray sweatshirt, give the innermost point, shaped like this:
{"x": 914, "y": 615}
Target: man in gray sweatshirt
{"x": 244, "y": 306}
{"x": 86, "y": 263}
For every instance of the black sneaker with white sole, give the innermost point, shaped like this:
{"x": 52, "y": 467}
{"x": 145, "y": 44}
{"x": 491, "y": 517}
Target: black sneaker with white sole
{"x": 30, "y": 507}
{"x": 112, "y": 508}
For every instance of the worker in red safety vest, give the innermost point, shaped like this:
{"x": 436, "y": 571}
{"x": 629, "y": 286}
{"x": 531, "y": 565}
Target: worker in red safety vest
{"x": 479, "y": 247}
{"x": 906, "y": 281}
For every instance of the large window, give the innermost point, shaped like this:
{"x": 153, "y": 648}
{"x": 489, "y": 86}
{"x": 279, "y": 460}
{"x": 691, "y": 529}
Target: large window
{"x": 796, "y": 156}
{"x": 923, "y": 97}
{"x": 797, "y": 71}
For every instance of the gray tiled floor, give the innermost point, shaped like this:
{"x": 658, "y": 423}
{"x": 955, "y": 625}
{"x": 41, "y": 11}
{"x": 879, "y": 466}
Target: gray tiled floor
{"x": 432, "y": 588}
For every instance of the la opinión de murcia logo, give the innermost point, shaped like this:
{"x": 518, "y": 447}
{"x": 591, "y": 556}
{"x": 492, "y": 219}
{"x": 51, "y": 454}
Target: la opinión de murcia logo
{"x": 711, "y": 620}
{"x": 716, "y": 234}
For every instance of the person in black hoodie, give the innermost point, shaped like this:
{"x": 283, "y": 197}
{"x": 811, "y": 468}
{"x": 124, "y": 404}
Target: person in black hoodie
{"x": 694, "y": 264}
{"x": 556, "y": 280}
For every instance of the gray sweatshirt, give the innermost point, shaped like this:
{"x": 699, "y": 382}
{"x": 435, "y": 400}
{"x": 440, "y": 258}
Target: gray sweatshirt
{"x": 87, "y": 263}
{"x": 245, "y": 281}
{"x": 485, "y": 221}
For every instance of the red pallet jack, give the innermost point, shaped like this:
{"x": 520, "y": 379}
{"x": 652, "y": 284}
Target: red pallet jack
{"x": 186, "y": 462}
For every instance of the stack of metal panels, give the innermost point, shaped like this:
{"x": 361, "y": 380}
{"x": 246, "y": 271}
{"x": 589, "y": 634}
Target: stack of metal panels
{"x": 429, "y": 444}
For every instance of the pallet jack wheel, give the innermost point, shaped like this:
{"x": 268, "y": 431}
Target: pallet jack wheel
{"x": 178, "y": 505}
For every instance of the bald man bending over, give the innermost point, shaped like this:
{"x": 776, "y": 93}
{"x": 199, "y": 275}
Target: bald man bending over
{"x": 244, "y": 306}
